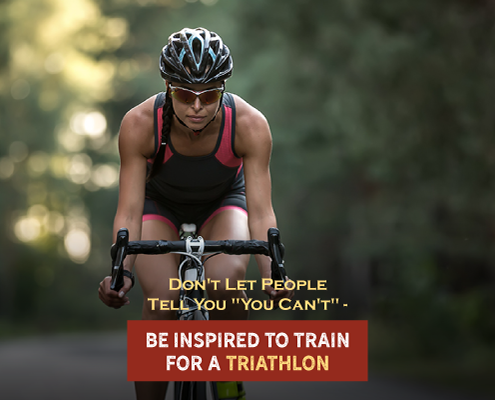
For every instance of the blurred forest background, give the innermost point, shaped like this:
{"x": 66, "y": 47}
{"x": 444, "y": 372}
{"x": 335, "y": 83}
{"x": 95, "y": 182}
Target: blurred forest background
{"x": 383, "y": 162}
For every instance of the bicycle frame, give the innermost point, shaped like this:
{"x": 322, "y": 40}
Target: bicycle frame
{"x": 191, "y": 268}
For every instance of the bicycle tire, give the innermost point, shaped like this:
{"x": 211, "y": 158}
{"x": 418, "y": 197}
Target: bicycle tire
{"x": 195, "y": 390}
{"x": 199, "y": 316}
{"x": 183, "y": 391}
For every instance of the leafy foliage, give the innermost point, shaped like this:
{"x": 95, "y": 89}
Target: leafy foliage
{"x": 382, "y": 164}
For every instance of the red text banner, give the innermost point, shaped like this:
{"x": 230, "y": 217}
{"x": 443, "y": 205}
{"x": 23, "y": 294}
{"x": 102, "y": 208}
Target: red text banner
{"x": 247, "y": 350}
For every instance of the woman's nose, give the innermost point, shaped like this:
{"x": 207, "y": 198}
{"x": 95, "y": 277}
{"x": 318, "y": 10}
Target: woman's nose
{"x": 197, "y": 105}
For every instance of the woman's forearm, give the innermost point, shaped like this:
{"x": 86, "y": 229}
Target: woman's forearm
{"x": 133, "y": 224}
{"x": 258, "y": 228}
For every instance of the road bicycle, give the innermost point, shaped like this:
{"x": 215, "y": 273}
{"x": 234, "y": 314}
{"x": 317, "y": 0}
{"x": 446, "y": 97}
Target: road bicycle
{"x": 193, "y": 249}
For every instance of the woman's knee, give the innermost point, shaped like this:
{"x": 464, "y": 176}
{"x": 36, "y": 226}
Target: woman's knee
{"x": 223, "y": 277}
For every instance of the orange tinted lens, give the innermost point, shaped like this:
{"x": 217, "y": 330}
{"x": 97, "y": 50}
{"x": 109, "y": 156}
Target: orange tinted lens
{"x": 184, "y": 95}
{"x": 210, "y": 97}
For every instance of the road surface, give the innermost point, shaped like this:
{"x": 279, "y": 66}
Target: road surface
{"x": 93, "y": 367}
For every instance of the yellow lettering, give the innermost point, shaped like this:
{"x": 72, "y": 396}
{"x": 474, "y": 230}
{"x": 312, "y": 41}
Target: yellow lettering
{"x": 231, "y": 362}
{"x": 242, "y": 362}
{"x": 261, "y": 364}
{"x": 281, "y": 302}
{"x": 265, "y": 283}
{"x": 153, "y": 303}
{"x": 294, "y": 364}
{"x": 312, "y": 363}
{"x": 297, "y": 305}
{"x": 227, "y": 287}
{"x": 322, "y": 363}
{"x": 281, "y": 363}
{"x": 272, "y": 359}
{"x": 171, "y": 285}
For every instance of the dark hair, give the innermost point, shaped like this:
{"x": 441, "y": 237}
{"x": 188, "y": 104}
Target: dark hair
{"x": 168, "y": 113}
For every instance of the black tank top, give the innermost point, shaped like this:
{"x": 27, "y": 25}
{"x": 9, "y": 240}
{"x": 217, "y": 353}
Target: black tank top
{"x": 195, "y": 180}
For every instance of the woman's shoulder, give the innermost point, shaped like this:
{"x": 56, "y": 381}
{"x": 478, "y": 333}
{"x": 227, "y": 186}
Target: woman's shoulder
{"x": 246, "y": 114}
{"x": 143, "y": 112}
{"x": 252, "y": 129}
{"x": 137, "y": 128}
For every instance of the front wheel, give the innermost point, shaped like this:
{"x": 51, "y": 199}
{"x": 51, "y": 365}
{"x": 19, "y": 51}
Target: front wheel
{"x": 199, "y": 315}
{"x": 195, "y": 391}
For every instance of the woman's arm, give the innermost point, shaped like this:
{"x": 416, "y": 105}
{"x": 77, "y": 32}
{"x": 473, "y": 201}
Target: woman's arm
{"x": 135, "y": 146}
{"x": 254, "y": 144}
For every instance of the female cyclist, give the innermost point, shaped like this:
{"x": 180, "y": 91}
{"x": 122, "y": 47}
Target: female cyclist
{"x": 193, "y": 154}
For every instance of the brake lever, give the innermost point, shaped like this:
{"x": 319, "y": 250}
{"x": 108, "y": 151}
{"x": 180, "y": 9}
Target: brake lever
{"x": 118, "y": 253}
{"x": 277, "y": 251}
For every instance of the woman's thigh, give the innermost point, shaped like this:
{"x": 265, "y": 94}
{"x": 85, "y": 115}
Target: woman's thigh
{"x": 155, "y": 271}
{"x": 229, "y": 224}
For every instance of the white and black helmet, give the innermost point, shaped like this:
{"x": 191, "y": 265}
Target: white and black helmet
{"x": 195, "y": 56}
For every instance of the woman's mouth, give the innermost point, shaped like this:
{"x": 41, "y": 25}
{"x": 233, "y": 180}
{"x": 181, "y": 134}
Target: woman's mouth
{"x": 196, "y": 119}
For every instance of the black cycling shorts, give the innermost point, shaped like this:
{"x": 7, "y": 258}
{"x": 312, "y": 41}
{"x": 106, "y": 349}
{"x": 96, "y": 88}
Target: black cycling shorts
{"x": 175, "y": 215}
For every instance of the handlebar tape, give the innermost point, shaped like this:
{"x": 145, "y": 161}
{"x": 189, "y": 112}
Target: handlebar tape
{"x": 118, "y": 252}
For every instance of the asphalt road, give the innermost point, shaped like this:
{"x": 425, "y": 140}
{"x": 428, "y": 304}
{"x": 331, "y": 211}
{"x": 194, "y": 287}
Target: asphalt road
{"x": 78, "y": 367}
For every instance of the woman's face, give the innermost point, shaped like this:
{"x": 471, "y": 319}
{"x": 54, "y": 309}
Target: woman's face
{"x": 195, "y": 109}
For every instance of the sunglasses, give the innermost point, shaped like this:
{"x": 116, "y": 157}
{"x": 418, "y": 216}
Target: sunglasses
{"x": 188, "y": 96}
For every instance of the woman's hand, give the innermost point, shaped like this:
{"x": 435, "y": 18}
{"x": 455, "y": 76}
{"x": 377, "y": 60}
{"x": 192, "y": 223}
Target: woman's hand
{"x": 112, "y": 298}
{"x": 277, "y": 295}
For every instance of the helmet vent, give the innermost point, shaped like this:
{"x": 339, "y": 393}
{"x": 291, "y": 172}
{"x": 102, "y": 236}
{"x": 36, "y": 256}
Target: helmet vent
{"x": 197, "y": 46}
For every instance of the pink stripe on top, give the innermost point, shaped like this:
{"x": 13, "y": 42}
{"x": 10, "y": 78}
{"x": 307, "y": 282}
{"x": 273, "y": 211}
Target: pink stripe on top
{"x": 225, "y": 153}
{"x": 219, "y": 210}
{"x": 159, "y": 122}
{"x": 168, "y": 154}
{"x": 157, "y": 217}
